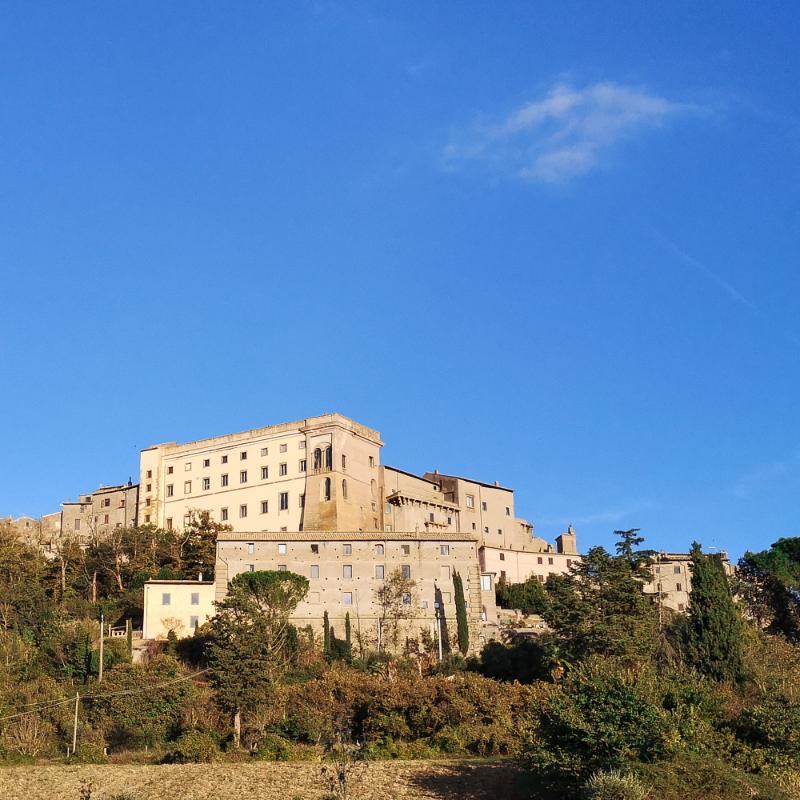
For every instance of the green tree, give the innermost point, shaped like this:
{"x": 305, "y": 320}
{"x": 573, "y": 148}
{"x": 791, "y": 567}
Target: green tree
{"x": 713, "y": 630}
{"x": 395, "y": 601}
{"x": 326, "y": 633}
{"x": 251, "y": 641}
{"x": 462, "y": 624}
{"x": 529, "y": 597}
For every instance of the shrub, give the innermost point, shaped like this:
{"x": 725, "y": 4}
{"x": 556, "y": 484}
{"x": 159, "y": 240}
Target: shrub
{"x": 274, "y": 748}
{"x": 193, "y": 747}
{"x": 614, "y": 785}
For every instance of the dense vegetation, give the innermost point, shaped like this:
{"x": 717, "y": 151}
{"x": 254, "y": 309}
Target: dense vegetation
{"x": 614, "y": 700}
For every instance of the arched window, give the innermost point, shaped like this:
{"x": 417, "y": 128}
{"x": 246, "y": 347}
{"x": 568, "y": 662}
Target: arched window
{"x": 378, "y": 549}
{"x": 327, "y": 489}
{"x": 329, "y": 457}
{"x": 318, "y": 459}
{"x": 344, "y": 490}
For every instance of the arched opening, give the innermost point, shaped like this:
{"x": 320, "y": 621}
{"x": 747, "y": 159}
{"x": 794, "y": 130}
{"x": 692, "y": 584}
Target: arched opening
{"x": 344, "y": 490}
{"x": 318, "y": 459}
{"x": 326, "y": 489}
{"x": 329, "y": 457}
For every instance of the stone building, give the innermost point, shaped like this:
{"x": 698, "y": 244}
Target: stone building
{"x": 96, "y": 514}
{"x": 672, "y": 578}
{"x": 179, "y": 606}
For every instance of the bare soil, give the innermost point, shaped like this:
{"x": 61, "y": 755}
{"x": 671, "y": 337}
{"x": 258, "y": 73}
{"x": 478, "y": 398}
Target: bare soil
{"x": 382, "y": 780}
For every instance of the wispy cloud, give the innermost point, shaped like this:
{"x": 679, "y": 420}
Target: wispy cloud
{"x": 607, "y": 516}
{"x": 563, "y": 134}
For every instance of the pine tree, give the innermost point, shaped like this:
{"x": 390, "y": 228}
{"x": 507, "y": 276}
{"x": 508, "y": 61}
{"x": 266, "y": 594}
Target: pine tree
{"x": 713, "y": 636}
{"x": 326, "y": 634}
{"x": 462, "y": 625}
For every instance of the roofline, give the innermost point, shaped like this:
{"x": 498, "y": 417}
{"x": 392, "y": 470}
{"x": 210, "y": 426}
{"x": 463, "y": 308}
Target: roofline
{"x": 180, "y": 583}
{"x": 470, "y": 480}
{"x": 338, "y": 536}
{"x": 409, "y": 474}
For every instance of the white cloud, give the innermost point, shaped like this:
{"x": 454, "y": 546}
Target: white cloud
{"x": 565, "y": 133}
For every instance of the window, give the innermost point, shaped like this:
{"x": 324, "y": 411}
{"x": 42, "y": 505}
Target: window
{"x": 302, "y": 465}
{"x": 284, "y": 501}
{"x": 149, "y": 473}
{"x": 508, "y": 511}
{"x": 347, "y": 549}
{"x": 224, "y": 459}
{"x": 550, "y": 559}
{"x": 302, "y": 444}
{"x": 251, "y": 567}
{"x": 107, "y": 500}
{"x": 347, "y": 598}
{"x": 449, "y": 520}
{"x": 473, "y": 526}
{"x": 486, "y": 529}
{"x": 486, "y": 583}
{"x": 499, "y": 531}
{"x": 281, "y": 567}
{"x": 379, "y": 550}
{"x": 502, "y": 556}
{"x": 387, "y": 508}
{"x": 405, "y": 570}
{"x": 315, "y": 548}
{"x": 379, "y": 571}
{"x": 223, "y": 514}
{"x": 303, "y": 500}
{"x": 539, "y": 578}
{"x": 105, "y": 519}
{"x": 194, "y": 622}
{"x": 242, "y": 511}
{"x": 372, "y": 461}
{"x": 223, "y": 480}
{"x": 251, "y": 548}
{"x": 265, "y": 451}
{"x": 406, "y": 598}
{"x": 265, "y": 506}
{"x": 187, "y": 487}
{"x": 314, "y": 573}
{"x": 484, "y": 506}
{"x": 444, "y": 549}
{"x": 347, "y": 570}
{"x": 77, "y": 525}
{"x": 430, "y": 516}
{"x": 243, "y": 455}
{"x": 678, "y": 587}
{"x": 329, "y": 457}
{"x": 470, "y": 501}
{"x": 326, "y": 489}
{"x": 539, "y": 560}
{"x": 677, "y": 570}
{"x": 283, "y": 469}
{"x": 166, "y": 599}
{"x": 243, "y": 476}
{"x": 317, "y": 458}
{"x": 344, "y": 462}
{"x": 187, "y": 467}
{"x": 283, "y": 448}
{"x": 282, "y": 549}
{"x": 147, "y": 518}
{"x": 206, "y": 462}
{"x": 146, "y": 502}
{"x": 405, "y": 549}
{"x": 195, "y": 598}
{"x": 681, "y": 606}
{"x": 502, "y": 575}
{"x": 344, "y": 490}
{"x": 170, "y": 490}
{"x": 206, "y": 484}
{"x": 169, "y": 523}
{"x": 170, "y": 470}
{"x": 264, "y": 473}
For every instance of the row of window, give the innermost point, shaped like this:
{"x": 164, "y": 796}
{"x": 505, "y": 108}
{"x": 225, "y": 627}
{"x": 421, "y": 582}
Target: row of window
{"x": 166, "y": 599}
{"x": 470, "y": 499}
{"x": 283, "y": 470}
{"x": 347, "y": 549}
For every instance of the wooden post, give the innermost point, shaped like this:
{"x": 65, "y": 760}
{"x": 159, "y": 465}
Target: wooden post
{"x": 100, "y": 669}
{"x": 75, "y": 724}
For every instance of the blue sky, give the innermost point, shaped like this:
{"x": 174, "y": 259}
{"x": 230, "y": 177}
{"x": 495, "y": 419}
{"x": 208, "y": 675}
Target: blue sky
{"x": 552, "y": 244}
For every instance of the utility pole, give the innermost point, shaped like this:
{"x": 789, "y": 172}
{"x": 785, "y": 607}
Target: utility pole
{"x": 75, "y": 724}
{"x": 439, "y": 628}
{"x": 100, "y": 669}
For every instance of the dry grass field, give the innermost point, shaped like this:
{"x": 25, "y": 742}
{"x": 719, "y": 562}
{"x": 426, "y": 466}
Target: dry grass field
{"x": 383, "y": 780}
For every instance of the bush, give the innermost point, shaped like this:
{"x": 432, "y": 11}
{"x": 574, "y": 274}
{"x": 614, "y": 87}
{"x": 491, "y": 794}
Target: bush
{"x": 614, "y": 785}
{"x": 526, "y": 661}
{"x": 274, "y": 748}
{"x": 193, "y": 747}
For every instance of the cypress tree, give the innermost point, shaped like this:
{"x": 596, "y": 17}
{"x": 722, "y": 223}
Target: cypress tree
{"x": 713, "y": 626}
{"x": 326, "y": 634}
{"x": 462, "y": 626}
{"x": 347, "y": 633}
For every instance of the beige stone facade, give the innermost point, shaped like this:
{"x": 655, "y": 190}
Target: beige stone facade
{"x": 346, "y": 569}
{"x": 96, "y": 514}
{"x": 180, "y": 606}
{"x": 43, "y": 532}
{"x": 672, "y": 578}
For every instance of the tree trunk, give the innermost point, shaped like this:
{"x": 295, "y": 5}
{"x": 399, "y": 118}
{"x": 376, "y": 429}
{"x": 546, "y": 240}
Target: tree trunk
{"x": 94, "y": 586}
{"x": 237, "y": 729}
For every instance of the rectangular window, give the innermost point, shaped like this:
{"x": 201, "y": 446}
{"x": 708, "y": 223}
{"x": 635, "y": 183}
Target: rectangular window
{"x": 223, "y": 480}
{"x": 195, "y": 598}
{"x": 302, "y": 444}
{"x": 486, "y": 583}
{"x": 242, "y": 511}
{"x": 678, "y": 587}
{"x": 484, "y": 506}
{"x": 431, "y": 516}
{"x": 405, "y": 570}
{"x": 283, "y": 448}
{"x": 315, "y": 548}
{"x": 405, "y": 549}
{"x": 502, "y": 556}
{"x": 223, "y": 514}
{"x": 264, "y": 451}
{"x": 224, "y": 459}
{"x": 187, "y": 487}
{"x": 166, "y": 599}
{"x": 265, "y": 506}
{"x": 508, "y": 511}
{"x": 77, "y": 525}
{"x": 187, "y": 467}
{"x": 406, "y": 598}
{"x": 243, "y": 476}
{"x": 251, "y": 567}
{"x": 206, "y": 462}
{"x": 314, "y": 571}
{"x": 282, "y": 549}
{"x": 344, "y": 462}
{"x": 539, "y": 560}
{"x": 347, "y": 570}
{"x": 282, "y": 567}
{"x": 105, "y": 519}
{"x": 347, "y": 549}
{"x": 283, "y": 469}
{"x": 107, "y": 500}
{"x": 499, "y": 531}
{"x": 170, "y": 470}
{"x": 169, "y": 523}
{"x": 149, "y": 473}
{"x": 194, "y": 622}
{"x": 243, "y": 455}
{"x": 470, "y": 501}
{"x": 444, "y": 549}
{"x": 550, "y": 559}
{"x": 170, "y": 490}
{"x": 251, "y": 548}
{"x": 206, "y": 484}
{"x": 302, "y": 465}
{"x": 264, "y": 473}
{"x": 677, "y": 570}
{"x": 387, "y": 509}
{"x": 147, "y": 501}
{"x": 284, "y": 501}
{"x": 379, "y": 571}
{"x": 372, "y": 461}
{"x": 473, "y": 526}
{"x": 347, "y": 598}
